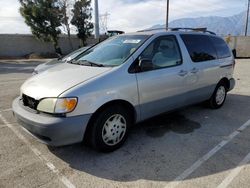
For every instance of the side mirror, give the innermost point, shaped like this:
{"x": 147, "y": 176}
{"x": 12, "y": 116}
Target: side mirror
{"x": 145, "y": 65}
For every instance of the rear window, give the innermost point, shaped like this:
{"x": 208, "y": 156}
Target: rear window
{"x": 221, "y": 47}
{"x": 200, "y": 47}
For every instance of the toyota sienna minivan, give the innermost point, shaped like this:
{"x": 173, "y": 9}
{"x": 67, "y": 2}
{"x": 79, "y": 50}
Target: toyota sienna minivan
{"x": 122, "y": 81}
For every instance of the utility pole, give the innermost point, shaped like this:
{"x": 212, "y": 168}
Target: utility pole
{"x": 246, "y": 29}
{"x": 97, "y": 32}
{"x": 167, "y": 14}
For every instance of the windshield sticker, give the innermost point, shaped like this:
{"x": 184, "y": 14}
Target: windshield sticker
{"x": 132, "y": 41}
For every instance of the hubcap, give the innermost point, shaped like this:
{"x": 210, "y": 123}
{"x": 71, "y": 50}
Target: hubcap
{"x": 220, "y": 95}
{"x": 114, "y": 129}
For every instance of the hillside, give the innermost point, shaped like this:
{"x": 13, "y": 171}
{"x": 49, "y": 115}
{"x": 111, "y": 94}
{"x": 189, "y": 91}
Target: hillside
{"x": 233, "y": 25}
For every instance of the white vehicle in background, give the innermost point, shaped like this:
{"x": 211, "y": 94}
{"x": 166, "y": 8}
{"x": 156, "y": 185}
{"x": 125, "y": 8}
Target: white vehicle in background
{"x": 54, "y": 62}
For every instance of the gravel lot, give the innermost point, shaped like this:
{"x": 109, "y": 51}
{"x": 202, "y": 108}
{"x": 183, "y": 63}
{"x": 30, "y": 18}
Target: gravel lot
{"x": 194, "y": 147}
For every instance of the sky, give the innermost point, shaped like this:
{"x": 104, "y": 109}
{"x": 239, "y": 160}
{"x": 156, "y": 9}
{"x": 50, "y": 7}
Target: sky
{"x": 132, "y": 15}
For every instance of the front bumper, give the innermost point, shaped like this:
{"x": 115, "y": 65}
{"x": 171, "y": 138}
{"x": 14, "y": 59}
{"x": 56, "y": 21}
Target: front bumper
{"x": 54, "y": 131}
{"x": 232, "y": 84}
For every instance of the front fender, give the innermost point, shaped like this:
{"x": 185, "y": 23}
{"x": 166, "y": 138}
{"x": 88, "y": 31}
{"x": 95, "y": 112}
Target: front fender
{"x": 115, "y": 85}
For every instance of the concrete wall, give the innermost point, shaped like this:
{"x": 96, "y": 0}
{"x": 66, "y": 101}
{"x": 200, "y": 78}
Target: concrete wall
{"x": 242, "y": 46}
{"x": 22, "y": 45}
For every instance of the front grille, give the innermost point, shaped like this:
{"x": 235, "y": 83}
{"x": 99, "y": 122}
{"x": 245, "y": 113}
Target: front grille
{"x": 30, "y": 102}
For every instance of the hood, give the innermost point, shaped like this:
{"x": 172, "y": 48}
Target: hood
{"x": 56, "y": 80}
{"x": 42, "y": 67}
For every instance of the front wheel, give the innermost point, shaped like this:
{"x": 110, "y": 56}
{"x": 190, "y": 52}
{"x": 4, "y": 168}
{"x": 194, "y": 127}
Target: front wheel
{"x": 110, "y": 128}
{"x": 219, "y": 96}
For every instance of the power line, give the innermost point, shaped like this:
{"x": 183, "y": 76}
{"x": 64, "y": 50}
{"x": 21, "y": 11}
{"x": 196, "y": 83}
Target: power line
{"x": 104, "y": 22}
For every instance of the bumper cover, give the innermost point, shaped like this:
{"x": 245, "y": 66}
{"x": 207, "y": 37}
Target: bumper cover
{"x": 232, "y": 84}
{"x": 54, "y": 131}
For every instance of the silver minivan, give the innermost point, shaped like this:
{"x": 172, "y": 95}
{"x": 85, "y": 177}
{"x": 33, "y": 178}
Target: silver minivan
{"x": 122, "y": 81}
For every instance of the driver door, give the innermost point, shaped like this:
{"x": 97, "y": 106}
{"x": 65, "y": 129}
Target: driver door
{"x": 163, "y": 87}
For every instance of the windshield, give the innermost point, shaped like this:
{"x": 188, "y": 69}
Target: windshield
{"x": 112, "y": 52}
{"x": 75, "y": 53}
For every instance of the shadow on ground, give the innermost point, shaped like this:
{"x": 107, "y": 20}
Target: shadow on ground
{"x": 175, "y": 122}
{"x": 160, "y": 148}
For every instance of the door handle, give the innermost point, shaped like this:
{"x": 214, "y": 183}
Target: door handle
{"x": 194, "y": 70}
{"x": 182, "y": 73}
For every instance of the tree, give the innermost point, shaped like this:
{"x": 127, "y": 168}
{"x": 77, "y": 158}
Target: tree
{"x": 65, "y": 10}
{"x": 44, "y": 19}
{"x": 82, "y": 19}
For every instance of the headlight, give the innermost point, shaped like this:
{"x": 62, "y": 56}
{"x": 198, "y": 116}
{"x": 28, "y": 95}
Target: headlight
{"x": 57, "y": 105}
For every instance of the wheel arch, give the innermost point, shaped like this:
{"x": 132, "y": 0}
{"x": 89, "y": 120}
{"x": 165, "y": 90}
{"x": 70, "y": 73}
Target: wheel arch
{"x": 226, "y": 81}
{"x": 132, "y": 110}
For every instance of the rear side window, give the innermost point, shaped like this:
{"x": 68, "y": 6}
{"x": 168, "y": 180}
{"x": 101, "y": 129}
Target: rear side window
{"x": 200, "y": 47}
{"x": 221, "y": 47}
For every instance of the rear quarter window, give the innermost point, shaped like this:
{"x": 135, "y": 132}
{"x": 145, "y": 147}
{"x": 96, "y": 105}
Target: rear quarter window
{"x": 221, "y": 47}
{"x": 200, "y": 47}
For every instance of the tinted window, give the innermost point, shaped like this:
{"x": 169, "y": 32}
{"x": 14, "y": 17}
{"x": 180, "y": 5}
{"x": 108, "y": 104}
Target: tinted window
{"x": 221, "y": 47}
{"x": 200, "y": 47}
{"x": 163, "y": 52}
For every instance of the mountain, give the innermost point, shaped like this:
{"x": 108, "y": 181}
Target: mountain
{"x": 234, "y": 25}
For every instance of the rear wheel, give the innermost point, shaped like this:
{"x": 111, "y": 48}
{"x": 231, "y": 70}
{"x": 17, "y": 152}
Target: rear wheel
{"x": 110, "y": 128}
{"x": 219, "y": 96}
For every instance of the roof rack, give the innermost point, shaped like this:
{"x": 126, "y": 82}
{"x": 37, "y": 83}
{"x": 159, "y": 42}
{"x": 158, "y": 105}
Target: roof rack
{"x": 202, "y": 29}
{"x": 155, "y": 29}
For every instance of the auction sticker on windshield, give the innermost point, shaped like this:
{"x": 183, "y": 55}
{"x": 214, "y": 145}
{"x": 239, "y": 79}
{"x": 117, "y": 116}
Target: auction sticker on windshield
{"x": 132, "y": 41}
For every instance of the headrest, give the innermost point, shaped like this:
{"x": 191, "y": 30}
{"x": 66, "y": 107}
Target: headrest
{"x": 168, "y": 43}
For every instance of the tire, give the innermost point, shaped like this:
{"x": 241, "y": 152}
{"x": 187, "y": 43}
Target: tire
{"x": 219, "y": 96}
{"x": 110, "y": 128}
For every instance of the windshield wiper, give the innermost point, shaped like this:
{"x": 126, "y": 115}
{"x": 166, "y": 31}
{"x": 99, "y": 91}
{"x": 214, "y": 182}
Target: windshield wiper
{"x": 96, "y": 64}
{"x": 71, "y": 61}
{"x": 85, "y": 62}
